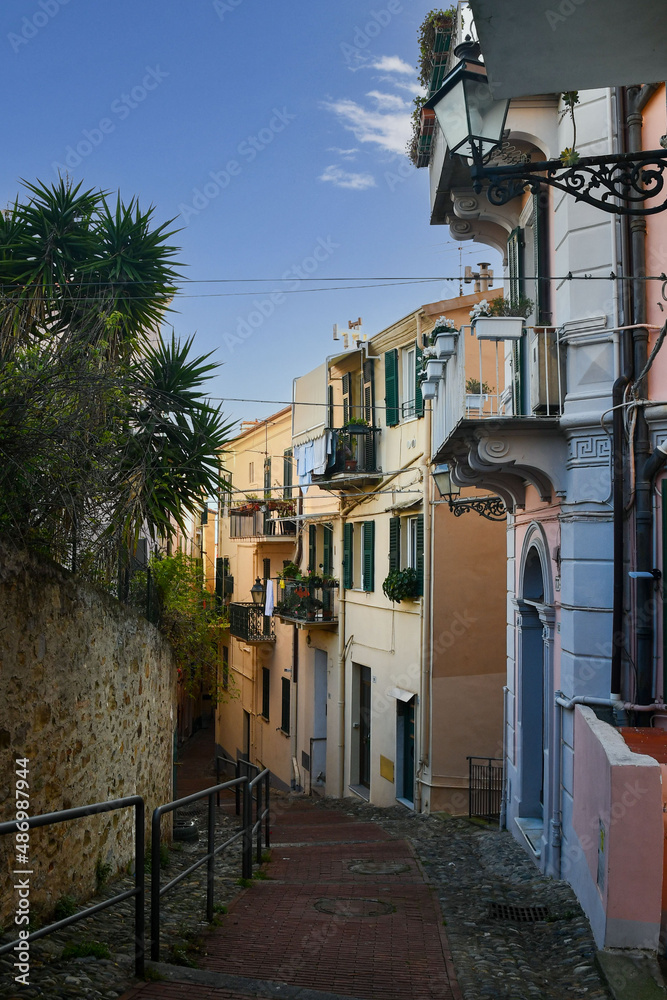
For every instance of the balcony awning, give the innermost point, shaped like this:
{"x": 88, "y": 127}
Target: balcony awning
{"x": 309, "y": 413}
{"x": 401, "y": 694}
{"x": 540, "y": 47}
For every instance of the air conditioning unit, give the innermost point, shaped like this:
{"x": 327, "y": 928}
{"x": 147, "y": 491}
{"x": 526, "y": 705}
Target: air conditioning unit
{"x": 546, "y": 372}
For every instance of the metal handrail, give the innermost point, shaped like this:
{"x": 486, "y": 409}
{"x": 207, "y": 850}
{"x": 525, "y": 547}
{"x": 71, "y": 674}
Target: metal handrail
{"x": 156, "y": 891}
{"x": 61, "y": 816}
{"x": 250, "y": 828}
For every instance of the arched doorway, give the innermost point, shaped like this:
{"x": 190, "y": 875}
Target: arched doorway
{"x": 532, "y": 686}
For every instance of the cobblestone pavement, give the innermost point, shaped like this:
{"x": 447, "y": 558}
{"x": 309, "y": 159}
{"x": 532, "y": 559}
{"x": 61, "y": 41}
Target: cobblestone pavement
{"x": 472, "y": 867}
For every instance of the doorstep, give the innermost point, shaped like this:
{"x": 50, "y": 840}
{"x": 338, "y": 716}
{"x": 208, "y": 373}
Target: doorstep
{"x": 532, "y": 829}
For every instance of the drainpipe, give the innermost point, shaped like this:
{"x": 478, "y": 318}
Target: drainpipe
{"x": 618, "y": 392}
{"x": 427, "y": 606}
{"x": 637, "y": 98}
{"x": 341, "y": 661}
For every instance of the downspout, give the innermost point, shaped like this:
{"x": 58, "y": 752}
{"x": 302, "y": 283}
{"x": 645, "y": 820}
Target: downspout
{"x": 341, "y": 660}
{"x": 644, "y": 626}
{"x": 427, "y": 611}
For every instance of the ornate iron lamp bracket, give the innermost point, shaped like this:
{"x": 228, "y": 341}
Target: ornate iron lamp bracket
{"x": 492, "y": 508}
{"x": 632, "y": 178}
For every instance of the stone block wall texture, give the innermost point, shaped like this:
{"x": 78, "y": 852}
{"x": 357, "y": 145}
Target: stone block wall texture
{"x": 87, "y": 693}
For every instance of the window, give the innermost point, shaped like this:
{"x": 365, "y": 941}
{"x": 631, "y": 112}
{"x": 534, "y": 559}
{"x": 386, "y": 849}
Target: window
{"x": 251, "y": 472}
{"x": 287, "y": 474}
{"x": 359, "y": 560}
{"x": 406, "y": 545}
{"x": 265, "y": 692}
{"x": 409, "y": 381}
{"x": 225, "y": 667}
{"x": 411, "y": 546}
{"x": 285, "y": 709}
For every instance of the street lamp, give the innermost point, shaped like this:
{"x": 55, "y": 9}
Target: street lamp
{"x": 471, "y": 119}
{"x": 473, "y": 122}
{"x": 257, "y": 592}
{"x": 491, "y": 507}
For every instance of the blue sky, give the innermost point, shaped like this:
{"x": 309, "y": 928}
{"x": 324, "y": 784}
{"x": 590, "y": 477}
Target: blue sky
{"x": 273, "y": 131}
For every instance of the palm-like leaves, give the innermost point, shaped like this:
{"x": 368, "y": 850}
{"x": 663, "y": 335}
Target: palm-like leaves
{"x": 101, "y": 429}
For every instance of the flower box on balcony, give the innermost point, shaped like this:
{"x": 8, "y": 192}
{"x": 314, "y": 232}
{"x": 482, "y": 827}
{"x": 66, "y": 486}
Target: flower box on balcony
{"x": 499, "y": 327}
{"x": 434, "y": 369}
{"x": 445, "y": 345}
{"x": 429, "y": 390}
{"x": 476, "y": 400}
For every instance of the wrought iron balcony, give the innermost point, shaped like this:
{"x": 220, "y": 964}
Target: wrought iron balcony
{"x": 353, "y": 456}
{"x": 247, "y": 621}
{"x": 260, "y": 524}
{"x": 301, "y": 602}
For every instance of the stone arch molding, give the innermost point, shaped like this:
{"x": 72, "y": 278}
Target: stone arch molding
{"x": 535, "y": 540}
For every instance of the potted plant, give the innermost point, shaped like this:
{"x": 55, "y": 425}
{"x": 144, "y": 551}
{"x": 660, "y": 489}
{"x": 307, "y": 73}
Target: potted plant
{"x": 444, "y": 336}
{"x": 401, "y": 584}
{"x": 429, "y": 390}
{"x": 313, "y": 579}
{"x": 476, "y": 394}
{"x": 291, "y": 571}
{"x": 329, "y": 582}
{"x": 501, "y": 318}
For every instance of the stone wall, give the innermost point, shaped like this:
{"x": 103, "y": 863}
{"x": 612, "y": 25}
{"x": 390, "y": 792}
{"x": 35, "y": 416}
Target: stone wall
{"x": 87, "y": 689}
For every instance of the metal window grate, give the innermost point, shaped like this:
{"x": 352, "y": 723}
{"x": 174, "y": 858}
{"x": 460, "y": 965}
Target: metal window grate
{"x": 517, "y": 913}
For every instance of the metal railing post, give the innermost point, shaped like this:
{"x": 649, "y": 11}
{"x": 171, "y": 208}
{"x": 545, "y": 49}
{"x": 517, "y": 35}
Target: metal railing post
{"x": 237, "y": 790}
{"x": 155, "y": 887}
{"x": 259, "y": 823}
{"x": 246, "y": 862}
{"x": 267, "y": 831}
{"x": 140, "y": 886}
{"x": 210, "y": 872}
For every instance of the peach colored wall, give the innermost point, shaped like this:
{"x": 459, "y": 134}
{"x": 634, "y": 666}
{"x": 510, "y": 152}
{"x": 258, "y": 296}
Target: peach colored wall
{"x": 656, "y": 248}
{"x": 617, "y": 816}
{"x": 469, "y": 656}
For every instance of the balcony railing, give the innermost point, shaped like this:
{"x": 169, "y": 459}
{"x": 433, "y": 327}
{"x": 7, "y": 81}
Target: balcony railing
{"x": 489, "y": 379}
{"x": 353, "y": 453}
{"x": 260, "y": 524}
{"x": 301, "y": 602}
{"x": 248, "y": 622}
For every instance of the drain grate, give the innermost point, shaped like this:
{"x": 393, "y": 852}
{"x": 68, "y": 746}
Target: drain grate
{"x": 518, "y": 914}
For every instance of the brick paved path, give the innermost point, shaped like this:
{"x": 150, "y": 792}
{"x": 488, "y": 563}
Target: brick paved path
{"x": 345, "y": 911}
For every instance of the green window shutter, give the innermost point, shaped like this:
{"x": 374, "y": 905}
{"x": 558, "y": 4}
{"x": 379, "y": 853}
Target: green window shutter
{"x": 285, "y": 705}
{"x": 541, "y": 258}
{"x": 368, "y": 555}
{"x": 394, "y": 543}
{"x": 391, "y": 387}
{"x": 312, "y": 547}
{"x": 347, "y": 397}
{"x": 419, "y": 399}
{"x": 288, "y": 472}
{"x": 420, "y": 552}
{"x": 348, "y": 550}
{"x": 369, "y": 391}
{"x": 327, "y": 550}
{"x": 515, "y": 275}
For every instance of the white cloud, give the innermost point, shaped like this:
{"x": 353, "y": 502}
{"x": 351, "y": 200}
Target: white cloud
{"x": 392, "y": 64}
{"x": 387, "y": 102}
{"x": 343, "y": 179}
{"x": 346, "y": 154}
{"x": 389, "y": 130}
